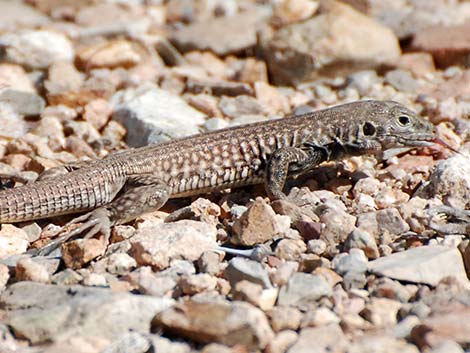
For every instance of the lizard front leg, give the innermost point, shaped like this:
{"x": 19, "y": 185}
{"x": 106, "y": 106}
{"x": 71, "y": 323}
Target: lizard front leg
{"x": 140, "y": 194}
{"x": 290, "y": 161}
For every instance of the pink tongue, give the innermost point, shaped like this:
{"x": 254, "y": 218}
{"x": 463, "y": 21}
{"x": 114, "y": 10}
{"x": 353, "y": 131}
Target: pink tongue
{"x": 444, "y": 144}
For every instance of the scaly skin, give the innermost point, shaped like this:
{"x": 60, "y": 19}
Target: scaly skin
{"x": 129, "y": 183}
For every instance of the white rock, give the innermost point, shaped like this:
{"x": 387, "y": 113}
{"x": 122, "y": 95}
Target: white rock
{"x": 425, "y": 264}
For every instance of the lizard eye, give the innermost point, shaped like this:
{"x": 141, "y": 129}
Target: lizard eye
{"x": 403, "y": 120}
{"x": 368, "y": 129}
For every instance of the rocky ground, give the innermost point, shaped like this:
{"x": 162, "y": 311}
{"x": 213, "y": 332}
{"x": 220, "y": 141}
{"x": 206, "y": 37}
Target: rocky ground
{"x": 377, "y": 261}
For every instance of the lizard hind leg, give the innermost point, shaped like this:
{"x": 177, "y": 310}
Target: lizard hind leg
{"x": 140, "y": 194}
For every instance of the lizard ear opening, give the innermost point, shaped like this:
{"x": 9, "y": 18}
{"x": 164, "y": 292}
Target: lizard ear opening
{"x": 368, "y": 129}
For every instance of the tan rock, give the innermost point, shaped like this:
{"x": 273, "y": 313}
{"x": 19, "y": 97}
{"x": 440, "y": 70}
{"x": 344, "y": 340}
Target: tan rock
{"x": 30, "y": 270}
{"x": 13, "y": 240}
{"x": 258, "y": 224}
{"x": 78, "y": 253}
{"x": 234, "y": 323}
{"x": 338, "y": 40}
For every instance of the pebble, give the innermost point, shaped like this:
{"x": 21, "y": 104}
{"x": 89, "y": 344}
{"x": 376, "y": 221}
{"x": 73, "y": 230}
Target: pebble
{"x": 219, "y": 321}
{"x": 156, "y": 245}
{"x": 36, "y": 49}
{"x": 240, "y": 33}
{"x": 152, "y": 115}
{"x": 91, "y": 311}
{"x": 13, "y": 240}
{"x": 327, "y": 338}
{"x": 293, "y": 53}
{"x": 425, "y": 264}
{"x": 258, "y": 224}
{"x": 303, "y": 289}
{"x": 240, "y": 269}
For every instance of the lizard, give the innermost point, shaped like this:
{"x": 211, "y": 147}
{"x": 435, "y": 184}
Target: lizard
{"x": 126, "y": 184}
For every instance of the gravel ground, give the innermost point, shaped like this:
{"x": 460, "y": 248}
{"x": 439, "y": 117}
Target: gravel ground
{"x": 376, "y": 258}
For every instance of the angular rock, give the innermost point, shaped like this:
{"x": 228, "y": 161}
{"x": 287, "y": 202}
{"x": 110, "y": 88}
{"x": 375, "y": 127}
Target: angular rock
{"x": 15, "y": 14}
{"x": 328, "y": 338}
{"x": 72, "y": 311}
{"x": 258, "y": 224}
{"x": 230, "y": 323}
{"x": 240, "y": 269}
{"x": 339, "y": 38}
{"x": 425, "y": 264}
{"x": 153, "y": 115}
{"x": 449, "y": 181}
{"x": 24, "y": 103}
{"x": 157, "y": 245}
{"x": 36, "y": 49}
{"x": 449, "y": 324}
{"x": 239, "y": 33}
{"x": 449, "y": 45}
{"x": 13, "y": 240}
{"x": 303, "y": 289}
{"x": 381, "y": 344}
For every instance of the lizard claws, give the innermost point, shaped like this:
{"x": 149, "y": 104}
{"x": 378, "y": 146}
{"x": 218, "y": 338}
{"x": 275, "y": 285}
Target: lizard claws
{"x": 94, "y": 222}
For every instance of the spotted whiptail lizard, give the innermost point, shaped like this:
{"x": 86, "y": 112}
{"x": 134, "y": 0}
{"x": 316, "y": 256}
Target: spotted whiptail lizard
{"x": 127, "y": 184}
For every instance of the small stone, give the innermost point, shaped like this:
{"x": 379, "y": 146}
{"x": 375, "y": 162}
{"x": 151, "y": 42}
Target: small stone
{"x": 219, "y": 88}
{"x": 224, "y": 322}
{"x": 281, "y": 342}
{"x": 153, "y": 115}
{"x": 316, "y": 246}
{"x": 364, "y": 81}
{"x": 292, "y": 11}
{"x": 290, "y": 249}
{"x": 355, "y": 261}
{"x": 4, "y": 276}
{"x": 111, "y": 54}
{"x": 381, "y": 344}
{"x": 403, "y": 328}
{"x": 255, "y": 294}
{"x": 29, "y": 270}
{"x": 382, "y": 312}
{"x": 303, "y": 289}
{"x": 240, "y": 33}
{"x": 97, "y": 113}
{"x": 14, "y": 15}
{"x": 402, "y": 80}
{"x": 270, "y": 97}
{"x": 328, "y": 338}
{"x": 155, "y": 245}
{"x": 148, "y": 283}
{"x": 283, "y": 273}
{"x": 36, "y": 49}
{"x": 94, "y": 280}
{"x": 387, "y": 220}
{"x": 447, "y": 347}
{"x": 13, "y": 240}
{"x": 285, "y": 318}
{"x": 450, "y": 324}
{"x": 66, "y": 277}
{"x": 23, "y": 103}
{"x": 425, "y": 264}
{"x": 258, "y": 224}
{"x": 209, "y": 262}
{"x": 318, "y": 45}
{"x": 197, "y": 283}
{"x": 234, "y": 107}
{"x": 319, "y": 317}
{"x": 361, "y": 239}
{"x": 120, "y": 264}
{"x": 419, "y": 64}
{"x": 77, "y": 253}
{"x": 449, "y": 45}
{"x": 449, "y": 181}
{"x": 239, "y": 269}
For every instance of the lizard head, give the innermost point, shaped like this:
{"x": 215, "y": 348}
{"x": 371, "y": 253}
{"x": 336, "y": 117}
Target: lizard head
{"x": 388, "y": 124}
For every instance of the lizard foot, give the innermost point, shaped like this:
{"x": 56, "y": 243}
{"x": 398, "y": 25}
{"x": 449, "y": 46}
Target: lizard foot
{"x": 94, "y": 222}
{"x": 449, "y": 220}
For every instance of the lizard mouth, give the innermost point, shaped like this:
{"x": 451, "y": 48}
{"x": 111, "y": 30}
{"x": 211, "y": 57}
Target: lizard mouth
{"x": 425, "y": 141}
